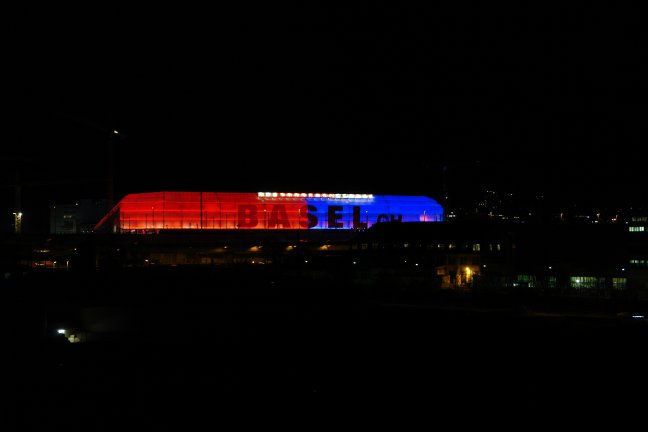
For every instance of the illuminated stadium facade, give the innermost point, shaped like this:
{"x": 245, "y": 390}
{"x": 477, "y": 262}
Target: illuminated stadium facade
{"x": 154, "y": 211}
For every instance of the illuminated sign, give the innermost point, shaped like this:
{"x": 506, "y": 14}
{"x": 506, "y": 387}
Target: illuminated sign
{"x": 267, "y": 210}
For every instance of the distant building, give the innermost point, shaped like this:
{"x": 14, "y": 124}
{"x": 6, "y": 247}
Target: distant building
{"x": 554, "y": 259}
{"x": 77, "y": 218}
{"x": 638, "y": 224}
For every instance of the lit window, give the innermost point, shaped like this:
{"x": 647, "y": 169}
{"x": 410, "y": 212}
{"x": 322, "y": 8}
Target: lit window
{"x": 476, "y": 247}
{"x": 636, "y": 229}
{"x": 619, "y": 283}
{"x": 586, "y": 282}
{"x": 527, "y": 280}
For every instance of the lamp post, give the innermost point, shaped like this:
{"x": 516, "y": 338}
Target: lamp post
{"x": 18, "y": 205}
{"x": 111, "y": 136}
{"x": 110, "y": 165}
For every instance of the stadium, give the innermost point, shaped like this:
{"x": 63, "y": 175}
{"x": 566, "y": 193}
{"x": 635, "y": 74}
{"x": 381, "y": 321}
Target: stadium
{"x": 155, "y": 211}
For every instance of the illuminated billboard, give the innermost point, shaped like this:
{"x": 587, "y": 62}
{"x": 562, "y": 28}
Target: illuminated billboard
{"x": 265, "y": 210}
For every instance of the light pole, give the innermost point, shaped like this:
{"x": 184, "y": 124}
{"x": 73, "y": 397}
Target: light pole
{"x": 18, "y": 205}
{"x": 111, "y": 136}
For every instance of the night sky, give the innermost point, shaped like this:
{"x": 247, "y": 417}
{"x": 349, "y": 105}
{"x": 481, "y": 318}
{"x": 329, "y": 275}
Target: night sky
{"x": 369, "y": 98}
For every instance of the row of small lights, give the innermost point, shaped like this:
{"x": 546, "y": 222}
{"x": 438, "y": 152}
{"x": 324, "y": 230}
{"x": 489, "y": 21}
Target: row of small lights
{"x": 313, "y": 195}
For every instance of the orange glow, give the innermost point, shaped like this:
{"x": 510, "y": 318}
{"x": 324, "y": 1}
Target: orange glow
{"x": 207, "y": 210}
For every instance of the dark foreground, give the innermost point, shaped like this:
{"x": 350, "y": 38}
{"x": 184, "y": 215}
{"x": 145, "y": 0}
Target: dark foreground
{"x": 183, "y": 346}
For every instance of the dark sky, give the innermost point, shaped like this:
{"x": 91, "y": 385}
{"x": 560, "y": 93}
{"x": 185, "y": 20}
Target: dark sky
{"x": 368, "y": 98}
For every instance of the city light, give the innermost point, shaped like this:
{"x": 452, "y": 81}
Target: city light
{"x": 18, "y": 222}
